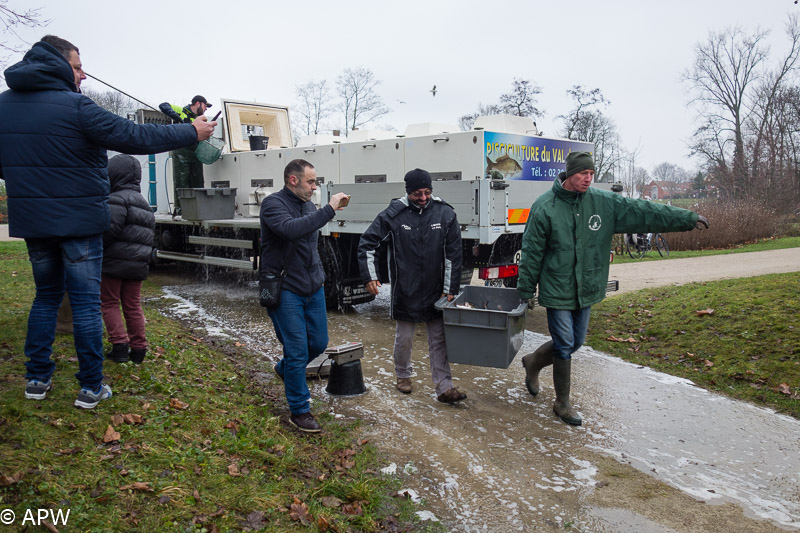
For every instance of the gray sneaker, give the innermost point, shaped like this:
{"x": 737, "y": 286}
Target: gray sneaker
{"x": 88, "y": 399}
{"x": 37, "y": 390}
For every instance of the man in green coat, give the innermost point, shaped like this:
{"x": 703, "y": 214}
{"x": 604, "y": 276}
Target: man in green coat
{"x": 565, "y": 251}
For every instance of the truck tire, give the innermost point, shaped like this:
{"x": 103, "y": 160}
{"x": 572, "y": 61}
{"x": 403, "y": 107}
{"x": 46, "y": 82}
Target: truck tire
{"x": 331, "y": 264}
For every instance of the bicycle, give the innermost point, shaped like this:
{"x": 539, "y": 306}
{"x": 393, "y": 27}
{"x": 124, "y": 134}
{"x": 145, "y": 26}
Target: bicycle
{"x": 637, "y": 245}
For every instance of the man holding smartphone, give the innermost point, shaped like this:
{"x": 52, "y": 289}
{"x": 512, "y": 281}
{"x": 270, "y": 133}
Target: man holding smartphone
{"x": 187, "y": 170}
{"x": 289, "y": 218}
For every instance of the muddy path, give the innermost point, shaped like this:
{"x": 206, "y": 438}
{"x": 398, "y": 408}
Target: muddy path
{"x": 656, "y": 453}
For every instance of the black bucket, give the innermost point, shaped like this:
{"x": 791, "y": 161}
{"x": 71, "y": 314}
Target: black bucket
{"x": 346, "y": 379}
{"x": 258, "y": 142}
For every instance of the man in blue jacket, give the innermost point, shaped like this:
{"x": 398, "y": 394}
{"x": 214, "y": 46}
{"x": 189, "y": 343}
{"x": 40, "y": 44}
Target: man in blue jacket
{"x": 289, "y": 217}
{"x": 53, "y": 143}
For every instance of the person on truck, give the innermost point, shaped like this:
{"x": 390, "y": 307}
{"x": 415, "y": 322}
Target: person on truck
{"x": 187, "y": 170}
{"x": 565, "y": 252}
{"x": 422, "y": 236}
{"x": 289, "y": 218}
{"x": 53, "y": 143}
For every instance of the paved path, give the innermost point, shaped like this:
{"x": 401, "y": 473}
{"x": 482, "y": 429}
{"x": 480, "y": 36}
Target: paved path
{"x": 4, "y": 234}
{"x": 649, "y": 274}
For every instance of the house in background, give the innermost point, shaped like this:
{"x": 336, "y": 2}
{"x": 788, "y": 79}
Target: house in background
{"x": 666, "y": 190}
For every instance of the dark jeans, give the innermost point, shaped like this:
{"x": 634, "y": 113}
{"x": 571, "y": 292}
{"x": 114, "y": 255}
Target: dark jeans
{"x": 73, "y": 264}
{"x": 301, "y": 325}
{"x": 568, "y": 330}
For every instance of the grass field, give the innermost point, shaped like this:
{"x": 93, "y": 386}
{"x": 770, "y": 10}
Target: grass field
{"x": 192, "y": 440}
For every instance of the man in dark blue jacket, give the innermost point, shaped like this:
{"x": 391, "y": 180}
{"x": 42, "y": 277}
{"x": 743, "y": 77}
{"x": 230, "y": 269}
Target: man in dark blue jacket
{"x": 301, "y": 325}
{"x": 424, "y": 240}
{"x": 53, "y": 143}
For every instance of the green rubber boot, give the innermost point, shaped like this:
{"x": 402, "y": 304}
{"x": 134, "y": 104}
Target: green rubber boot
{"x": 561, "y": 378}
{"x": 534, "y": 362}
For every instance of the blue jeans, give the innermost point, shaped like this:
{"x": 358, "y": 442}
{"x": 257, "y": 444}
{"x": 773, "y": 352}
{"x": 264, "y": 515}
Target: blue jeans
{"x": 568, "y": 330}
{"x": 301, "y": 325}
{"x": 73, "y": 264}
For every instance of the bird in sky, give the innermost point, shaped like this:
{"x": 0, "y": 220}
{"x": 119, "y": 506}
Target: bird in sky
{"x": 401, "y": 101}
{"x": 433, "y": 91}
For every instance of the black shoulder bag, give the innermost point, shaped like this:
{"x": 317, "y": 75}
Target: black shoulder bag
{"x": 269, "y": 285}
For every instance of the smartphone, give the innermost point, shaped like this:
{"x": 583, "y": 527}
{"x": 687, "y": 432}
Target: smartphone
{"x": 344, "y": 202}
{"x": 216, "y": 116}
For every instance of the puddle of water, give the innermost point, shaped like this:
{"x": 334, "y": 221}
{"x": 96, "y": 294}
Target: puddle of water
{"x": 501, "y": 461}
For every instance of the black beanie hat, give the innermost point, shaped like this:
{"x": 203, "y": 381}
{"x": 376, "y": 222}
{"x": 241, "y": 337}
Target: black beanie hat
{"x": 578, "y": 162}
{"x": 417, "y": 179}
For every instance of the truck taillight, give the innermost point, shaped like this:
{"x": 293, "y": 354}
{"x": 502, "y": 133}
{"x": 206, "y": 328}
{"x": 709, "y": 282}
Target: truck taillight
{"x": 498, "y": 272}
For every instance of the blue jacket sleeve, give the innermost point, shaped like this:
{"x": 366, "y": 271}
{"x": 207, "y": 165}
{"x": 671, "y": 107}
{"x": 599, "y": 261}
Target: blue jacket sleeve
{"x": 166, "y": 108}
{"x": 113, "y": 132}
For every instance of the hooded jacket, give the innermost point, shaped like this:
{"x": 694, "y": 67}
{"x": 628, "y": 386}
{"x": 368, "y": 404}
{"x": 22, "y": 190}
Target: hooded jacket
{"x": 286, "y": 218}
{"x": 128, "y": 243}
{"x": 53, "y": 143}
{"x": 424, "y": 246}
{"x": 567, "y": 241}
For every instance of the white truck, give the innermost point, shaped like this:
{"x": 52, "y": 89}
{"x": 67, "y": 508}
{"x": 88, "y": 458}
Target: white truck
{"x": 490, "y": 175}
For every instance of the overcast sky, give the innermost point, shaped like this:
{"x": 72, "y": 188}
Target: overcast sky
{"x": 633, "y": 51}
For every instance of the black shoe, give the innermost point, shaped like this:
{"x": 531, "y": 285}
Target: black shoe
{"x": 305, "y": 423}
{"x": 275, "y": 369}
{"x": 137, "y": 355}
{"x": 451, "y": 396}
{"x": 119, "y": 353}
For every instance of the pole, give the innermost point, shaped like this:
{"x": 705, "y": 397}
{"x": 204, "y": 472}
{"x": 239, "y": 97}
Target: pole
{"x": 118, "y": 90}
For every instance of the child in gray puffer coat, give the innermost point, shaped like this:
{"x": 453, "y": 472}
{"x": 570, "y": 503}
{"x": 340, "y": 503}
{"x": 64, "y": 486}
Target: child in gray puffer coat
{"x": 127, "y": 246}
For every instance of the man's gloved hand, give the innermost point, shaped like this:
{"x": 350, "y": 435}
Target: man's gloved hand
{"x": 702, "y": 222}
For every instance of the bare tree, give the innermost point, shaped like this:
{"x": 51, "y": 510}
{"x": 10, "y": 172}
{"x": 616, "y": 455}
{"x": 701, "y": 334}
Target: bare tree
{"x": 726, "y": 67}
{"x": 315, "y": 107}
{"x": 586, "y": 122}
{"x": 521, "y": 101}
{"x": 465, "y": 122}
{"x": 748, "y": 132}
{"x": 670, "y": 172}
{"x": 360, "y": 102}
{"x": 10, "y": 20}
{"x": 113, "y": 101}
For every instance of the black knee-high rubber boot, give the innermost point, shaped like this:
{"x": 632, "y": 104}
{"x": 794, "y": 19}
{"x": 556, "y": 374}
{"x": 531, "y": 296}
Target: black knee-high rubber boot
{"x": 561, "y": 380}
{"x": 534, "y": 362}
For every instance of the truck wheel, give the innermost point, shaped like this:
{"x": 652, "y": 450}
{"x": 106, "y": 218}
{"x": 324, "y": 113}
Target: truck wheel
{"x": 331, "y": 262}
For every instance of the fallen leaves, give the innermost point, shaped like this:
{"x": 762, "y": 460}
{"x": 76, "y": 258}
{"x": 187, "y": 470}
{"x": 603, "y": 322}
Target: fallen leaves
{"x": 111, "y": 434}
{"x": 331, "y": 502}
{"x": 612, "y": 338}
{"x": 138, "y": 485}
{"x": 5, "y": 480}
{"x": 130, "y": 419}
{"x": 298, "y": 512}
{"x": 784, "y": 388}
{"x": 177, "y": 404}
{"x": 703, "y": 312}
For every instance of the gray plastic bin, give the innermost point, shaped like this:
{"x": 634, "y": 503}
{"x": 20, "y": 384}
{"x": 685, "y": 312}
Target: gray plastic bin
{"x": 208, "y": 204}
{"x": 488, "y": 334}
